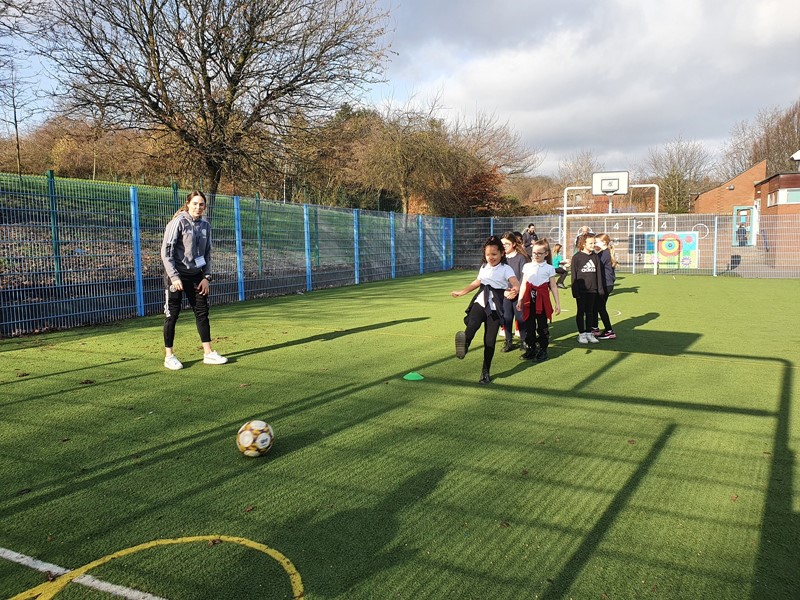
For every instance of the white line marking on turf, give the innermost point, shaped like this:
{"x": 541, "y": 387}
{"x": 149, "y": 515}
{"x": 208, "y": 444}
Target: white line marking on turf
{"x": 86, "y": 580}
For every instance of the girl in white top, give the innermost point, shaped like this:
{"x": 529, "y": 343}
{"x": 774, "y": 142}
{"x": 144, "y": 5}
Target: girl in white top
{"x": 538, "y": 282}
{"x": 486, "y": 306}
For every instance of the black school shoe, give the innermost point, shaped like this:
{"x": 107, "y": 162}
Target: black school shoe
{"x": 485, "y": 380}
{"x": 541, "y": 356}
{"x": 461, "y": 345}
{"x": 508, "y": 346}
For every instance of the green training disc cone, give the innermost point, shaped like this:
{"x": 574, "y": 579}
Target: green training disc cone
{"x": 413, "y": 376}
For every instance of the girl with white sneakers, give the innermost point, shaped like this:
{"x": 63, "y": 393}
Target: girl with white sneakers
{"x": 587, "y": 282}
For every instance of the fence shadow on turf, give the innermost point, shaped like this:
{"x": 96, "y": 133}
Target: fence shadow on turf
{"x": 775, "y": 572}
{"x": 355, "y": 544}
{"x": 561, "y": 583}
{"x": 69, "y": 483}
{"x": 324, "y": 337}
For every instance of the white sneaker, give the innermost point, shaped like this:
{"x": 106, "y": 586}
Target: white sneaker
{"x": 582, "y": 339}
{"x": 591, "y": 338}
{"x": 172, "y": 363}
{"x": 501, "y": 333}
{"x": 213, "y": 358}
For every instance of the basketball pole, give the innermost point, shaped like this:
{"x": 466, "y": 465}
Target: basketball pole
{"x": 655, "y": 221}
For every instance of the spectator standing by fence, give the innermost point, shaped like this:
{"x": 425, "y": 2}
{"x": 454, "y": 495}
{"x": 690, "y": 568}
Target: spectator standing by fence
{"x": 186, "y": 254}
{"x": 528, "y": 237}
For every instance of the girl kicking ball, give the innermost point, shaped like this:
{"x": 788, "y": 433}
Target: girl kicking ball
{"x": 495, "y": 278}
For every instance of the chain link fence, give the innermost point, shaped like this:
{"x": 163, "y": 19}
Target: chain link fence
{"x": 78, "y": 253}
{"x": 686, "y": 244}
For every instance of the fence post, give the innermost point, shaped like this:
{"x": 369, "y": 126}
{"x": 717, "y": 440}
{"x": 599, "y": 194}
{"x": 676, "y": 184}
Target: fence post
{"x": 491, "y": 225}
{"x": 716, "y": 225}
{"x": 391, "y": 244}
{"x": 633, "y": 247}
{"x": 175, "y": 200}
{"x": 307, "y": 236}
{"x": 136, "y": 234}
{"x": 237, "y": 218}
{"x": 316, "y": 236}
{"x": 444, "y": 243}
{"x": 258, "y": 233}
{"x": 51, "y": 194}
{"x": 452, "y": 254}
{"x": 356, "y": 248}
{"x": 421, "y": 245}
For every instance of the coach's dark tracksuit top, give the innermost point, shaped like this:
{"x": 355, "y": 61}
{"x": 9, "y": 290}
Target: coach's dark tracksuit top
{"x": 184, "y": 240}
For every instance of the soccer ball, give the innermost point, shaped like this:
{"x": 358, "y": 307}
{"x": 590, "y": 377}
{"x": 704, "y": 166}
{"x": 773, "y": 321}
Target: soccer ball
{"x": 255, "y": 438}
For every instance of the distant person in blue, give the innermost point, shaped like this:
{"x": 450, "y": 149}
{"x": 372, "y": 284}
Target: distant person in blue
{"x": 186, "y": 254}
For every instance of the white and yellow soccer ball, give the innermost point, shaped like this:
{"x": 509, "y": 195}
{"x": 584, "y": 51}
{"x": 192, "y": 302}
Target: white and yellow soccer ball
{"x": 255, "y": 438}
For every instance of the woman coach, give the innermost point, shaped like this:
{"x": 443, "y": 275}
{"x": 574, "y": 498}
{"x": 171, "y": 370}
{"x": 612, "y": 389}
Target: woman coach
{"x": 186, "y": 254}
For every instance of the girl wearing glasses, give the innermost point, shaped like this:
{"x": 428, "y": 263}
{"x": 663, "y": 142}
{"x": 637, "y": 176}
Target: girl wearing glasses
{"x": 539, "y": 281}
{"x": 495, "y": 277}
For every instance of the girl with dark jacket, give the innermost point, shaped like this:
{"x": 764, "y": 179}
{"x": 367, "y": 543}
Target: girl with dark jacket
{"x": 587, "y": 283}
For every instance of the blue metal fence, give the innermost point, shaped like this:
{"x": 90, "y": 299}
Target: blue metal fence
{"x": 79, "y": 253}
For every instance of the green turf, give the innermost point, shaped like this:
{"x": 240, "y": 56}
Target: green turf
{"x": 657, "y": 465}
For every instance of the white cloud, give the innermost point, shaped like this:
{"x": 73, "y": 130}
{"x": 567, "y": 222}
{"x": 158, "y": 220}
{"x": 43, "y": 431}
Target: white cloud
{"x": 614, "y": 77}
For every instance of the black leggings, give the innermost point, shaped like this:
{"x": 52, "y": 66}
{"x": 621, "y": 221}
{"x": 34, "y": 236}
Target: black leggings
{"x": 602, "y": 300}
{"x": 538, "y": 329}
{"x": 586, "y": 315}
{"x": 198, "y": 302}
{"x": 510, "y": 312}
{"x": 476, "y": 317}
{"x": 562, "y": 275}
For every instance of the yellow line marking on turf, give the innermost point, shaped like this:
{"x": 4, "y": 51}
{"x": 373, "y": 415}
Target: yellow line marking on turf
{"x": 48, "y": 590}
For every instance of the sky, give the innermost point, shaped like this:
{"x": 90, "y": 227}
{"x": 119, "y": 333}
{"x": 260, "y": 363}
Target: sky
{"x": 612, "y": 77}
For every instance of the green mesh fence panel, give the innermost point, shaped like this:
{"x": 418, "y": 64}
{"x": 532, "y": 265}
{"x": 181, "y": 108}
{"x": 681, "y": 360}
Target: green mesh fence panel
{"x": 68, "y": 248}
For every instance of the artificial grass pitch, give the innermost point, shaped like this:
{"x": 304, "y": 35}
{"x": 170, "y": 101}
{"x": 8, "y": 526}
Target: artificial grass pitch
{"x": 657, "y": 465}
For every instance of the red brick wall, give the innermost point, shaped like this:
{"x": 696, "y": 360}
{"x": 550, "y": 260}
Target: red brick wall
{"x": 721, "y": 200}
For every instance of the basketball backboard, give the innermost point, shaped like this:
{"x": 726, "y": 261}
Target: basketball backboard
{"x": 608, "y": 184}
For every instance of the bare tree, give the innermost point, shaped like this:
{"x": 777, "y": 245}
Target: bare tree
{"x": 773, "y": 136}
{"x": 679, "y": 168}
{"x": 226, "y": 77}
{"x": 577, "y": 168}
{"x": 18, "y": 105}
{"x": 496, "y": 144}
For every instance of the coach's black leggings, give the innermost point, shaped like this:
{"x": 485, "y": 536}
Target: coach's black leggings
{"x": 586, "y": 314}
{"x": 172, "y": 309}
{"x": 477, "y": 316}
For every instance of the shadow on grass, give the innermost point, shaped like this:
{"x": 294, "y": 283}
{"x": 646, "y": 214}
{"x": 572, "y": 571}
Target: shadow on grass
{"x": 325, "y": 337}
{"x": 357, "y": 544}
{"x": 72, "y": 482}
{"x": 777, "y": 568}
{"x": 562, "y": 582}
